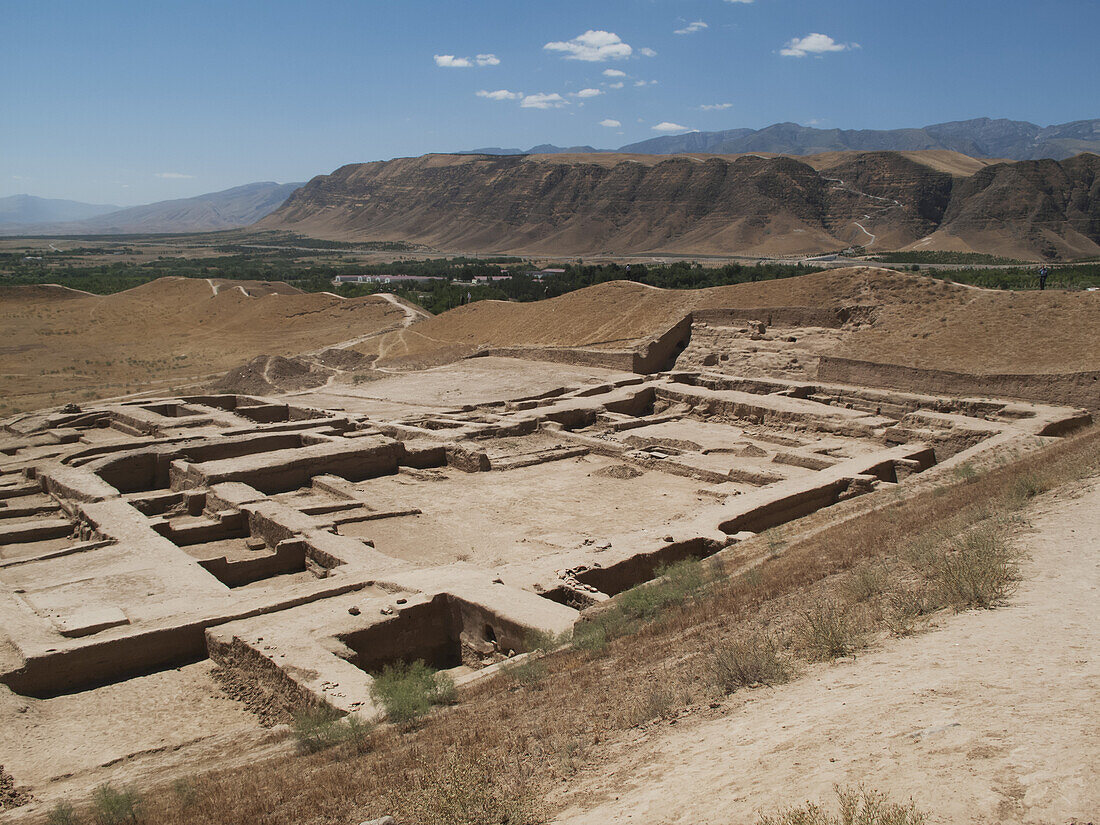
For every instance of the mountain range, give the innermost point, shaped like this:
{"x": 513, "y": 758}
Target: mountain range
{"x": 228, "y": 209}
{"x": 28, "y": 209}
{"x": 615, "y": 204}
{"x": 979, "y": 138}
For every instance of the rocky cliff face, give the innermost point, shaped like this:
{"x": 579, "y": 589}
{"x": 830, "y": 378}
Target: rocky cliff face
{"x": 698, "y": 205}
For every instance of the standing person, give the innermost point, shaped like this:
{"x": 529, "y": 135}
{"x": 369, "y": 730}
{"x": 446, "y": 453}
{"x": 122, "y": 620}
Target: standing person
{"x": 1043, "y": 272}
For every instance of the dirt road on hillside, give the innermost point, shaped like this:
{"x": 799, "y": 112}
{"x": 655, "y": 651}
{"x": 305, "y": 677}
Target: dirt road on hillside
{"x": 993, "y": 717}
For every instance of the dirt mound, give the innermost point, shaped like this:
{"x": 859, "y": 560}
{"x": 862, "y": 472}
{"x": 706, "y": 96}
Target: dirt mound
{"x": 166, "y": 334}
{"x": 620, "y": 471}
{"x": 343, "y": 359}
{"x": 270, "y": 374}
{"x": 908, "y": 319}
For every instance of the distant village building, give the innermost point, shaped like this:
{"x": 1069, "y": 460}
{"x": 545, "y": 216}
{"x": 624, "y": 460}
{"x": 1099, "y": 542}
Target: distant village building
{"x": 384, "y": 279}
{"x": 542, "y": 273}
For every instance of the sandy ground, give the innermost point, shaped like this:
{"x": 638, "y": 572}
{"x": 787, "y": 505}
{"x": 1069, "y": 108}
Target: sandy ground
{"x": 174, "y": 722}
{"x": 492, "y": 519}
{"x": 992, "y": 717}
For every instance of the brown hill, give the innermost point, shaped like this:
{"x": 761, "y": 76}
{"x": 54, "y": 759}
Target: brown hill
{"x": 63, "y": 345}
{"x": 705, "y": 204}
{"x": 1043, "y": 206}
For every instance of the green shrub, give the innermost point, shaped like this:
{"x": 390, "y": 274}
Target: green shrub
{"x": 828, "y": 631}
{"x": 672, "y": 584}
{"x": 529, "y": 673}
{"x": 111, "y": 806}
{"x": 747, "y": 662}
{"x": 407, "y": 692}
{"x": 323, "y": 727}
{"x": 858, "y": 806}
{"x": 62, "y": 814}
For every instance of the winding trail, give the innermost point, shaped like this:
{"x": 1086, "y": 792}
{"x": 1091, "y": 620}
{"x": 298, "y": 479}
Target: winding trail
{"x": 891, "y": 203}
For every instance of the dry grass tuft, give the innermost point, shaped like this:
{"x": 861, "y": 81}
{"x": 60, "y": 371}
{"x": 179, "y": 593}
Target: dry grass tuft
{"x": 829, "y": 630}
{"x": 464, "y": 790}
{"x": 748, "y": 663}
{"x": 857, "y": 806}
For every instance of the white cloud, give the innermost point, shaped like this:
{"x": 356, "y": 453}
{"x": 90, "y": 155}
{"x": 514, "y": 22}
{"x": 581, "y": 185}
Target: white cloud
{"x": 691, "y": 28}
{"x": 544, "y": 101}
{"x": 587, "y": 93}
{"x": 815, "y": 44}
{"x": 594, "y": 46}
{"x": 714, "y": 107}
{"x": 641, "y": 83}
{"x": 173, "y": 175}
{"x": 449, "y": 61}
{"x": 666, "y": 126}
{"x": 500, "y": 94}
{"x": 647, "y": 52}
{"x": 618, "y": 85}
{"x": 610, "y": 124}
{"x": 613, "y": 73}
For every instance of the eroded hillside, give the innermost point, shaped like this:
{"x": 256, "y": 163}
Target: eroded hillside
{"x": 706, "y": 204}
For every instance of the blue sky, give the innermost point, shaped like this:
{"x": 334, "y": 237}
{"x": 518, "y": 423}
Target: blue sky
{"x": 130, "y": 102}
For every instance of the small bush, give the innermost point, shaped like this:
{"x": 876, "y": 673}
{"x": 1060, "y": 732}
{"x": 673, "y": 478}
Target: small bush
{"x": 904, "y": 605}
{"x": 866, "y": 583}
{"x": 111, "y": 806}
{"x": 1027, "y": 486}
{"x": 828, "y": 631}
{"x": 747, "y": 663}
{"x": 965, "y": 472}
{"x": 62, "y": 814}
{"x": 858, "y": 806}
{"x": 592, "y": 636}
{"x": 543, "y": 641}
{"x": 185, "y": 792}
{"x": 466, "y": 791}
{"x": 320, "y": 728}
{"x": 977, "y": 570}
{"x": 672, "y": 584}
{"x": 529, "y": 673}
{"x": 407, "y": 692}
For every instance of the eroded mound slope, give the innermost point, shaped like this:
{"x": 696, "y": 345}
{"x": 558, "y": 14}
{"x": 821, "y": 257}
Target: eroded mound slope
{"x": 63, "y": 345}
{"x": 914, "y": 321}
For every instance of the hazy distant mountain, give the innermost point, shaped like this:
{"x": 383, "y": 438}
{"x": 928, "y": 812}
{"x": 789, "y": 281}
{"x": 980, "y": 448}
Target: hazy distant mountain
{"x": 23, "y": 209}
{"x": 541, "y": 149}
{"x": 228, "y": 209}
{"x": 983, "y": 137}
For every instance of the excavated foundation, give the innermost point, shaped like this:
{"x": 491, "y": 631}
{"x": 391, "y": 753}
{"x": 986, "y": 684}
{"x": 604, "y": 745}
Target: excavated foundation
{"x": 305, "y": 548}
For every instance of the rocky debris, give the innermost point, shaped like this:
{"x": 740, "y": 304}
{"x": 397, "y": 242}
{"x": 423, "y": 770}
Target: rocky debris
{"x": 385, "y": 820}
{"x": 620, "y": 471}
{"x": 12, "y": 796}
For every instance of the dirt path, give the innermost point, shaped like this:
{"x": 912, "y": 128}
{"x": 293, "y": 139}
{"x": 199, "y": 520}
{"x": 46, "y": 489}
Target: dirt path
{"x": 992, "y": 717}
